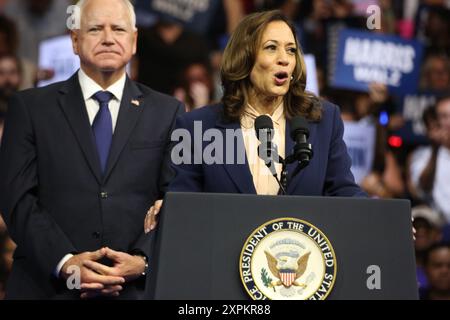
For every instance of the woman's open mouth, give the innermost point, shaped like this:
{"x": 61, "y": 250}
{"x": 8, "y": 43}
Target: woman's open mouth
{"x": 281, "y": 78}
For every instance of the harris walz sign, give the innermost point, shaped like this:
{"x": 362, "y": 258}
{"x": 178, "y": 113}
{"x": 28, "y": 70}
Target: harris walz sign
{"x": 365, "y": 57}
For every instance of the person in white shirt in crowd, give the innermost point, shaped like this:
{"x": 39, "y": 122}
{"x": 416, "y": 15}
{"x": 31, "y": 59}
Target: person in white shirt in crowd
{"x": 430, "y": 166}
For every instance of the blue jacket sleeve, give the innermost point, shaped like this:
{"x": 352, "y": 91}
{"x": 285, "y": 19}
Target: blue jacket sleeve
{"x": 188, "y": 174}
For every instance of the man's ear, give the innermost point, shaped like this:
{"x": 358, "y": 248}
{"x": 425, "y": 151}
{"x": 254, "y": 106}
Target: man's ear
{"x": 74, "y": 36}
{"x": 135, "y": 37}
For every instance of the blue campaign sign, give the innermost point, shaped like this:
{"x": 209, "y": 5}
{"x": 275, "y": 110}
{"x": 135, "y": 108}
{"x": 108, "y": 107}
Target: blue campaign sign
{"x": 195, "y": 15}
{"x": 411, "y": 108}
{"x": 365, "y": 57}
{"x": 360, "y": 138}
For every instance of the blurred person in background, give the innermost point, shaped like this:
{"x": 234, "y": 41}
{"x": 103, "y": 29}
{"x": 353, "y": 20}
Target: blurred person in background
{"x": 9, "y": 43}
{"x": 37, "y": 20}
{"x": 291, "y": 9}
{"x": 437, "y": 269}
{"x": 196, "y": 86}
{"x": 164, "y": 51}
{"x": 430, "y": 167}
{"x": 387, "y": 177}
{"x": 320, "y": 22}
{"x": 435, "y": 73}
{"x": 428, "y": 224}
{"x": 9, "y": 38}
{"x": 226, "y": 19}
{"x": 388, "y": 18}
{"x": 384, "y": 179}
{"x": 10, "y": 79}
{"x": 168, "y": 46}
{"x": 434, "y": 79}
{"x": 433, "y": 26}
{"x": 429, "y": 118}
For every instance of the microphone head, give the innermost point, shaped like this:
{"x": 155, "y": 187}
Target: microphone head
{"x": 299, "y": 125}
{"x": 263, "y": 122}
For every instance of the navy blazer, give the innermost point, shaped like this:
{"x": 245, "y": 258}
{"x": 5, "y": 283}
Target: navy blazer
{"x": 53, "y": 195}
{"x": 328, "y": 173}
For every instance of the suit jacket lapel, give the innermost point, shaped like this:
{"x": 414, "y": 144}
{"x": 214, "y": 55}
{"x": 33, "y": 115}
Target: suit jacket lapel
{"x": 131, "y": 108}
{"x": 72, "y": 104}
{"x": 239, "y": 173}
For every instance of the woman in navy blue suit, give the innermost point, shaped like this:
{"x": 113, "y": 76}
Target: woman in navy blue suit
{"x": 263, "y": 73}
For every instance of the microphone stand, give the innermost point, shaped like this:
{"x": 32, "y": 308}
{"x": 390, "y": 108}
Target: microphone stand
{"x": 270, "y": 159}
{"x": 283, "y": 182}
{"x": 284, "y": 175}
{"x": 303, "y": 154}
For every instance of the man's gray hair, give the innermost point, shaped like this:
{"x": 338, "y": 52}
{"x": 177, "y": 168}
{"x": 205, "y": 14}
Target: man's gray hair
{"x": 81, "y": 3}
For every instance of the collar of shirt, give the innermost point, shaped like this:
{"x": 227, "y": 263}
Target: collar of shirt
{"x": 263, "y": 180}
{"x": 89, "y": 87}
{"x": 250, "y": 114}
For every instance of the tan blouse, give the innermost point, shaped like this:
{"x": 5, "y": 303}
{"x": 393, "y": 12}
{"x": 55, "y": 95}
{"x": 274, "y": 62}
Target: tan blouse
{"x": 265, "y": 183}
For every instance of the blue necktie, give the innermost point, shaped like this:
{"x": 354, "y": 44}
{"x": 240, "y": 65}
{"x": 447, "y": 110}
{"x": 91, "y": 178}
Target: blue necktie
{"x": 102, "y": 127}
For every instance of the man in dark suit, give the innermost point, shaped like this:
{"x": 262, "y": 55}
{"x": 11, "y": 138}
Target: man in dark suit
{"x": 80, "y": 163}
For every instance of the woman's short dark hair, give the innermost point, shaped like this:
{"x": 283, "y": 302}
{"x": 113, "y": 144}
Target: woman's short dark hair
{"x": 238, "y": 61}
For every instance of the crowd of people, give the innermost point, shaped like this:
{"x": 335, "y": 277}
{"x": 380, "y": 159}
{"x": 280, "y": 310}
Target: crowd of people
{"x": 184, "y": 62}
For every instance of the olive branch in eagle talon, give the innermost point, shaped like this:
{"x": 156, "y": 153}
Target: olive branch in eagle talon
{"x": 266, "y": 279}
{"x": 299, "y": 270}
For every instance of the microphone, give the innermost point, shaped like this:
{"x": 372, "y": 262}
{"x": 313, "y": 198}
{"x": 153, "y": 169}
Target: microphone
{"x": 264, "y": 127}
{"x": 303, "y": 152}
{"x": 267, "y": 150}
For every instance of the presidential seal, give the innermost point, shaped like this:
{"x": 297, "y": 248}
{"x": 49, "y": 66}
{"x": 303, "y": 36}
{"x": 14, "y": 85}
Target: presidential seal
{"x": 287, "y": 259}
